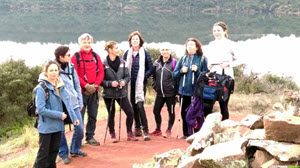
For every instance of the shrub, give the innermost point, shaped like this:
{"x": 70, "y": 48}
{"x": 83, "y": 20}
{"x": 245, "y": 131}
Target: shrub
{"x": 17, "y": 81}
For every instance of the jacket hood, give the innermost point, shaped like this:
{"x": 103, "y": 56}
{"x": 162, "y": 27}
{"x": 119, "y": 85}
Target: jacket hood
{"x": 59, "y": 82}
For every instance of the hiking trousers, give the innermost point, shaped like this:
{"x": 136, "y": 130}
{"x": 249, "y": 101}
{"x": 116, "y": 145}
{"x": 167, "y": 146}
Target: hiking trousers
{"x": 140, "y": 117}
{"x": 90, "y": 103}
{"x": 185, "y": 104}
{"x": 48, "y": 149}
{"x": 158, "y": 105}
{"x": 110, "y": 106}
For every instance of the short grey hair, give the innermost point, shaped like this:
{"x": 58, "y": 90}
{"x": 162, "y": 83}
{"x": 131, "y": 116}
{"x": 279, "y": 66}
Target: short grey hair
{"x": 85, "y": 36}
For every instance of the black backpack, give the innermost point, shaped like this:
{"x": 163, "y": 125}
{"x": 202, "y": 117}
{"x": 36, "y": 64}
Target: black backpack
{"x": 31, "y": 107}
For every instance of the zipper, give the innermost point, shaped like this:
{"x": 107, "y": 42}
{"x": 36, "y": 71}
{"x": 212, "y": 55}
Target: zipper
{"x": 161, "y": 79}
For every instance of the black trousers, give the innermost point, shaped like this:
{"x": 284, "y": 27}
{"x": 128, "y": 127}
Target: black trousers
{"x": 47, "y": 153}
{"x": 90, "y": 103}
{"x": 140, "y": 117}
{"x": 209, "y": 104}
{"x": 125, "y": 105}
{"x": 186, "y": 101}
{"x": 158, "y": 105}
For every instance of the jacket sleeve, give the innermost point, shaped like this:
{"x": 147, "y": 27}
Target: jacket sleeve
{"x": 106, "y": 83}
{"x": 203, "y": 67}
{"x": 78, "y": 89}
{"x": 81, "y": 78}
{"x": 127, "y": 76}
{"x": 40, "y": 101}
{"x": 100, "y": 74}
{"x": 148, "y": 65}
{"x": 67, "y": 104}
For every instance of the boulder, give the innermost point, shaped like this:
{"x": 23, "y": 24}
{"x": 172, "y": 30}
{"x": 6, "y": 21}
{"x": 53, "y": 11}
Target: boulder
{"x": 253, "y": 121}
{"x": 282, "y": 151}
{"x": 168, "y": 159}
{"x": 225, "y": 154}
{"x": 279, "y": 127}
{"x": 257, "y": 134}
{"x": 260, "y": 157}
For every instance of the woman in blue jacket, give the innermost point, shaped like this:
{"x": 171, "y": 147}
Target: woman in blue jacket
{"x": 187, "y": 71}
{"x": 52, "y": 113}
{"x": 69, "y": 76}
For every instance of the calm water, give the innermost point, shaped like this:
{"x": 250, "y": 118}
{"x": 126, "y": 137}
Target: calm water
{"x": 65, "y": 27}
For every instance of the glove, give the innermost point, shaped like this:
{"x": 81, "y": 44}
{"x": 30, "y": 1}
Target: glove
{"x": 89, "y": 89}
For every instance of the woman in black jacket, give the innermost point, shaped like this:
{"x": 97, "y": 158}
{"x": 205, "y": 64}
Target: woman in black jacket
{"x": 166, "y": 90}
{"x": 116, "y": 77}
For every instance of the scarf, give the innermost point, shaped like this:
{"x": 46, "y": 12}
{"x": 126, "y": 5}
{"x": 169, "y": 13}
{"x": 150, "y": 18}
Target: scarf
{"x": 139, "y": 84}
{"x": 114, "y": 64}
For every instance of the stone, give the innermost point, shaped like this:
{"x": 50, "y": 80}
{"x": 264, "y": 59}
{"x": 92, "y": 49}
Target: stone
{"x": 224, "y": 154}
{"x": 282, "y": 151}
{"x": 191, "y": 162}
{"x": 253, "y": 121}
{"x": 279, "y": 127}
{"x": 168, "y": 159}
{"x": 260, "y": 157}
{"x": 257, "y": 134}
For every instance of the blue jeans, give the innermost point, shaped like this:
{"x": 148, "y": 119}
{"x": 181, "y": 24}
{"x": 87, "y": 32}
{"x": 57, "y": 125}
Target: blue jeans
{"x": 76, "y": 139}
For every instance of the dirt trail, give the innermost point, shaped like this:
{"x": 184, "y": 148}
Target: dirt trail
{"x": 124, "y": 153}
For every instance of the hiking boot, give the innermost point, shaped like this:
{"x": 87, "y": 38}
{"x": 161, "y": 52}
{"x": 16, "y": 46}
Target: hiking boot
{"x": 138, "y": 132}
{"x": 79, "y": 154}
{"x": 113, "y": 138}
{"x": 131, "y": 137}
{"x": 65, "y": 160}
{"x": 92, "y": 142}
{"x": 168, "y": 134}
{"x": 146, "y": 136}
{"x": 155, "y": 133}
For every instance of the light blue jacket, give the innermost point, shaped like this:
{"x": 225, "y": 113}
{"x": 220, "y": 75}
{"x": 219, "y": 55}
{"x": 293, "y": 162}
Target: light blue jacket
{"x": 187, "y": 90}
{"x": 50, "y": 111}
{"x": 74, "y": 92}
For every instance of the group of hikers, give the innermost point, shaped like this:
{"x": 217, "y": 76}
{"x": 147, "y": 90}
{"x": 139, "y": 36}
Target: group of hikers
{"x": 73, "y": 86}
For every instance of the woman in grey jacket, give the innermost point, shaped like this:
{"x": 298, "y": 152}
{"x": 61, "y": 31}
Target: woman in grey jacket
{"x": 51, "y": 110}
{"x": 116, "y": 76}
{"x": 71, "y": 81}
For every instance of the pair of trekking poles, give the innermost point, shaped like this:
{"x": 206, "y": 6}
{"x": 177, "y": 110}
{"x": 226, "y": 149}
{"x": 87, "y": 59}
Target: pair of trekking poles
{"x": 109, "y": 113}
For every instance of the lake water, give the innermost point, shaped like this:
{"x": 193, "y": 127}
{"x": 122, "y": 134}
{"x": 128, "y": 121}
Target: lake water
{"x": 266, "y": 43}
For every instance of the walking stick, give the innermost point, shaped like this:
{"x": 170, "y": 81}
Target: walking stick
{"x": 111, "y": 105}
{"x": 120, "y": 119}
{"x": 180, "y": 105}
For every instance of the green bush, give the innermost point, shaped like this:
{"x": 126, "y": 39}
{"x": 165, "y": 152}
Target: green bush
{"x": 268, "y": 83}
{"x": 17, "y": 81}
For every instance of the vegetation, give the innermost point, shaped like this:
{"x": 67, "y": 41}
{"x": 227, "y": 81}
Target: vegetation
{"x": 205, "y": 6}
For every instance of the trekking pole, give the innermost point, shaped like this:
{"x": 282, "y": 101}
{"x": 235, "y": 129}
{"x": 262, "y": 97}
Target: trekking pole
{"x": 181, "y": 101}
{"x": 120, "y": 119}
{"x": 111, "y": 105}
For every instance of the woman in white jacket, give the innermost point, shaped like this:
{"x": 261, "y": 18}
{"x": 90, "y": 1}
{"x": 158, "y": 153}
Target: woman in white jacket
{"x": 220, "y": 54}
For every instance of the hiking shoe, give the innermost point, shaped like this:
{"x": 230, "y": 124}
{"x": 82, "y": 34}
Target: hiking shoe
{"x": 131, "y": 137}
{"x": 168, "y": 134}
{"x": 65, "y": 160}
{"x": 79, "y": 154}
{"x": 146, "y": 136}
{"x": 155, "y": 133}
{"x": 113, "y": 138}
{"x": 138, "y": 132}
{"x": 92, "y": 142}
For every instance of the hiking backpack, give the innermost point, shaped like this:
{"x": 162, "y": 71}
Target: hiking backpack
{"x": 31, "y": 107}
{"x": 94, "y": 59}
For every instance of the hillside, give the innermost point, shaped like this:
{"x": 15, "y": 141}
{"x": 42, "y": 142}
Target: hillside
{"x": 203, "y": 6}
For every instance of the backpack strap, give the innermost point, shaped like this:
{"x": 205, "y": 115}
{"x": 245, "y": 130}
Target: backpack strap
{"x": 96, "y": 61}
{"x": 77, "y": 58}
{"x": 173, "y": 63}
{"x": 201, "y": 62}
{"x": 45, "y": 89}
